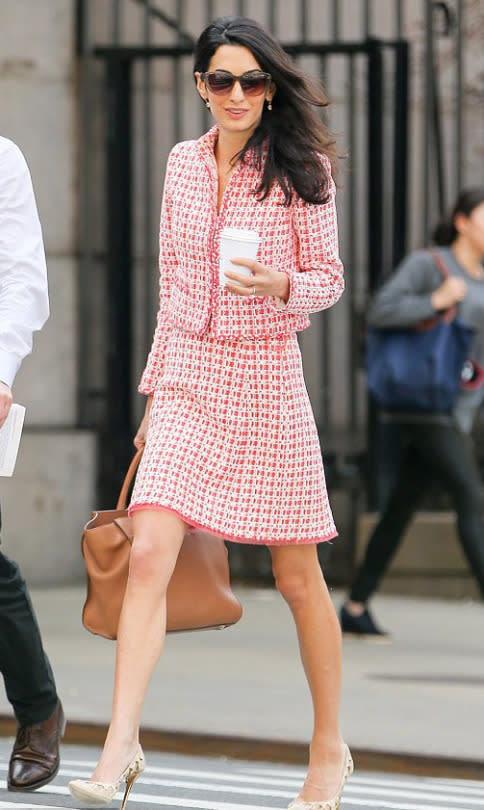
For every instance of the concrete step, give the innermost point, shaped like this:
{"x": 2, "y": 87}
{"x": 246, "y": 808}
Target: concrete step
{"x": 47, "y": 502}
{"x": 429, "y": 562}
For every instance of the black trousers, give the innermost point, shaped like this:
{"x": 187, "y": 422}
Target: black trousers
{"x": 432, "y": 452}
{"x": 26, "y": 670}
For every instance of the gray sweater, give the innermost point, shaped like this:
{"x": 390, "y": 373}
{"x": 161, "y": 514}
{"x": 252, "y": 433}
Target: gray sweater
{"x": 404, "y": 300}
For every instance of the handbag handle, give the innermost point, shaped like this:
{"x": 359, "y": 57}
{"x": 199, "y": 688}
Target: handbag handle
{"x": 123, "y": 495}
{"x": 444, "y": 270}
{"x": 449, "y": 315}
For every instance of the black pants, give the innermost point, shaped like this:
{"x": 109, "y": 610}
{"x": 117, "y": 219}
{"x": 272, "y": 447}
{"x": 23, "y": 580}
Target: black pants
{"x": 432, "y": 452}
{"x": 28, "y": 677}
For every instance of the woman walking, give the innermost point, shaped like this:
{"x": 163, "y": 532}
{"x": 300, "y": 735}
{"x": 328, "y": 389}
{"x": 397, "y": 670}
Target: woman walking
{"x": 229, "y": 436}
{"x": 437, "y": 446}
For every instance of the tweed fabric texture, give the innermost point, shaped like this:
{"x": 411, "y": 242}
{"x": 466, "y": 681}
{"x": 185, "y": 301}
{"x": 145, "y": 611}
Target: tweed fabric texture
{"x": 300, "y": 240}
{"x": 232, "y": 445}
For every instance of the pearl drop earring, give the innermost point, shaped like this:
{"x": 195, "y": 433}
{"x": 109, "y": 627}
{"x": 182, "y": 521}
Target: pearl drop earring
{"x": 207, "y": 103}
{"x": 269, "y": 105}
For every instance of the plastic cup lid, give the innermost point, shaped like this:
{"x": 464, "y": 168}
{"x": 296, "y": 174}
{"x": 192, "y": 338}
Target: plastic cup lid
{"x": 240, "y": 235}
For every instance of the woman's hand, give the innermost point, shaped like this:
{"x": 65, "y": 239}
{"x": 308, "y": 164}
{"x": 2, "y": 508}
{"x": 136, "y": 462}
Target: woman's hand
{"x": 263, "y": 281}
{"x": 449, "y": 293}
{"x": 139, "y": 440}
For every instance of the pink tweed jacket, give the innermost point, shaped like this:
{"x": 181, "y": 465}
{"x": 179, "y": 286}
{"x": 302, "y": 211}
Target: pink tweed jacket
{"x": 300, "y": 240}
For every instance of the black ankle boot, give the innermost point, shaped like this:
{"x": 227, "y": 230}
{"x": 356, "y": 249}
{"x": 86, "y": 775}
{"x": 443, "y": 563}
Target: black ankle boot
{"x": 361, "y": 626}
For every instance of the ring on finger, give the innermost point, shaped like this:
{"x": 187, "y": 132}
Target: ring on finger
{"x": 253, "y": 290}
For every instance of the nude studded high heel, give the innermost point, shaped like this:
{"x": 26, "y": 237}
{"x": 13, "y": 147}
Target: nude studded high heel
{"x": 335, "y": 802}
{"x": 104, "y": 792}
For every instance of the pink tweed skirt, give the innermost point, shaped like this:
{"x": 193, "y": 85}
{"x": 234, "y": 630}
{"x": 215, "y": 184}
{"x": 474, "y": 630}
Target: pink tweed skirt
{"x": 232, "y": 446}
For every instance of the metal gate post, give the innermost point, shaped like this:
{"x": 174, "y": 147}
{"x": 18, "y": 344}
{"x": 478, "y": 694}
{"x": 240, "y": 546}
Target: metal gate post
{"x": 384, "y": 444}
{"x": 375, "y": 242}
{"x": 115, "y": 445}
{"x": 375, "y": 164}
{"x": 400, "y": 152}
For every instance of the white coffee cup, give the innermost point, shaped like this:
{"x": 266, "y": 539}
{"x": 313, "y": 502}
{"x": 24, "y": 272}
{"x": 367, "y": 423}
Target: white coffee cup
{"x": 236, "y": 243}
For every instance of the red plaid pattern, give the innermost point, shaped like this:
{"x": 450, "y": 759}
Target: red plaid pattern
{"x": 300, "y": 240}
{"x": 232, "y": 445}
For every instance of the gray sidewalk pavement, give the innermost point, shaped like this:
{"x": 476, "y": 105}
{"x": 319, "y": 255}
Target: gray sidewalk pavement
{"x": 423, "y": 694}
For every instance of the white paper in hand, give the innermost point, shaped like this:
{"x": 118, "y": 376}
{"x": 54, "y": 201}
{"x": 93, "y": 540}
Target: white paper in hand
{"x": 10, "y": 434}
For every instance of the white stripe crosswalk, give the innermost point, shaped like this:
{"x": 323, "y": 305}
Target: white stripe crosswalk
{"x": 247, "y": 786}
{"x": 17, "y": 806}
{"x": 269, "y": 783}
{"x": 278, "y": 778}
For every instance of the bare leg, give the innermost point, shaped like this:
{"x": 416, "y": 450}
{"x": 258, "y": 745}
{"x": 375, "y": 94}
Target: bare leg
{"x": 158, "y": 536}
{"x": 355, "y": 608}
{"x": 299, "y": 579}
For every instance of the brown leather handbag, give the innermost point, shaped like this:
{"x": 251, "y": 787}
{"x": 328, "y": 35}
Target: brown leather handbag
{"x": 199, "y": 595}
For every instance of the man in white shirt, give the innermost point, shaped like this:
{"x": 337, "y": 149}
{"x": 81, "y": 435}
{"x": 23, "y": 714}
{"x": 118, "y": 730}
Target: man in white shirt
{"x": 24, "y": 308}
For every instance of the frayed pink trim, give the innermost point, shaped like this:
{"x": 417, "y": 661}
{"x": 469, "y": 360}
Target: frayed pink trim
{"x": 192, "y": 524}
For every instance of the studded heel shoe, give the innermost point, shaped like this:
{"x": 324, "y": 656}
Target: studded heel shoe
{"x": 335, "y": 802}
{"x": 104, "y": 792}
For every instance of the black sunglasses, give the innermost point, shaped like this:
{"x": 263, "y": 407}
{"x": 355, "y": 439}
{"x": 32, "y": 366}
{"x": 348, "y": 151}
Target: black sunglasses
{"x": 252, "y": 82}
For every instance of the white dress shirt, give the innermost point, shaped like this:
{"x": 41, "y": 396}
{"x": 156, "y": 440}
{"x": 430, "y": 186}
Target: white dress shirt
{"x": 24, "y": 299}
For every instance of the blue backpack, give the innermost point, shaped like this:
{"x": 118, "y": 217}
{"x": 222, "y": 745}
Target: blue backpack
{"x": 419, "y": 369}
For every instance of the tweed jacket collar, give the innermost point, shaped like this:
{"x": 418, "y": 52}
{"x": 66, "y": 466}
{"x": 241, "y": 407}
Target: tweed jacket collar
{"x": 206, "y": 149}
{"x": 206, "y": 145}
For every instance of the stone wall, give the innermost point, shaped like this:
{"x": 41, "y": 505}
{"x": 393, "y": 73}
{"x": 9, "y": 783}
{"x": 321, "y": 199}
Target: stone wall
{"x": 50, "y": 495}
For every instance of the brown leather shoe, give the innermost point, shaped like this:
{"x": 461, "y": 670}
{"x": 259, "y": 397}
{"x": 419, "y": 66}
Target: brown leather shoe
{"x": 35, "y": 756}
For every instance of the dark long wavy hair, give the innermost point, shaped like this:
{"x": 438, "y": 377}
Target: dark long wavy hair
{"x": 293, "y": 132}
{"x": 446, "y": 233}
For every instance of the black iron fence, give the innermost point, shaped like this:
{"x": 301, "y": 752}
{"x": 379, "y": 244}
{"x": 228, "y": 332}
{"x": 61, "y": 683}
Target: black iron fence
{"x": 138, "y": 99}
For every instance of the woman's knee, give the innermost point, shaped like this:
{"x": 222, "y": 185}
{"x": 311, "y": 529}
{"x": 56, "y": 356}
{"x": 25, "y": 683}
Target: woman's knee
{"x": 157, "y": 540}
{"x": 151, "y": 560}
{"x": 297, "y": 584}
{"x": 468, "y": 499}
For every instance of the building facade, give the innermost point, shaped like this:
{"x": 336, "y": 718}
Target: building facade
{"x": 55, "y": 85}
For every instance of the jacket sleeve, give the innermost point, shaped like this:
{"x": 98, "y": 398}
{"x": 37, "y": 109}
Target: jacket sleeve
{"x": 24, "y": 298}
{"x": 167, "y": 261}
{"x": 318, "y": 283}
{"x": 405, "y": 299}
